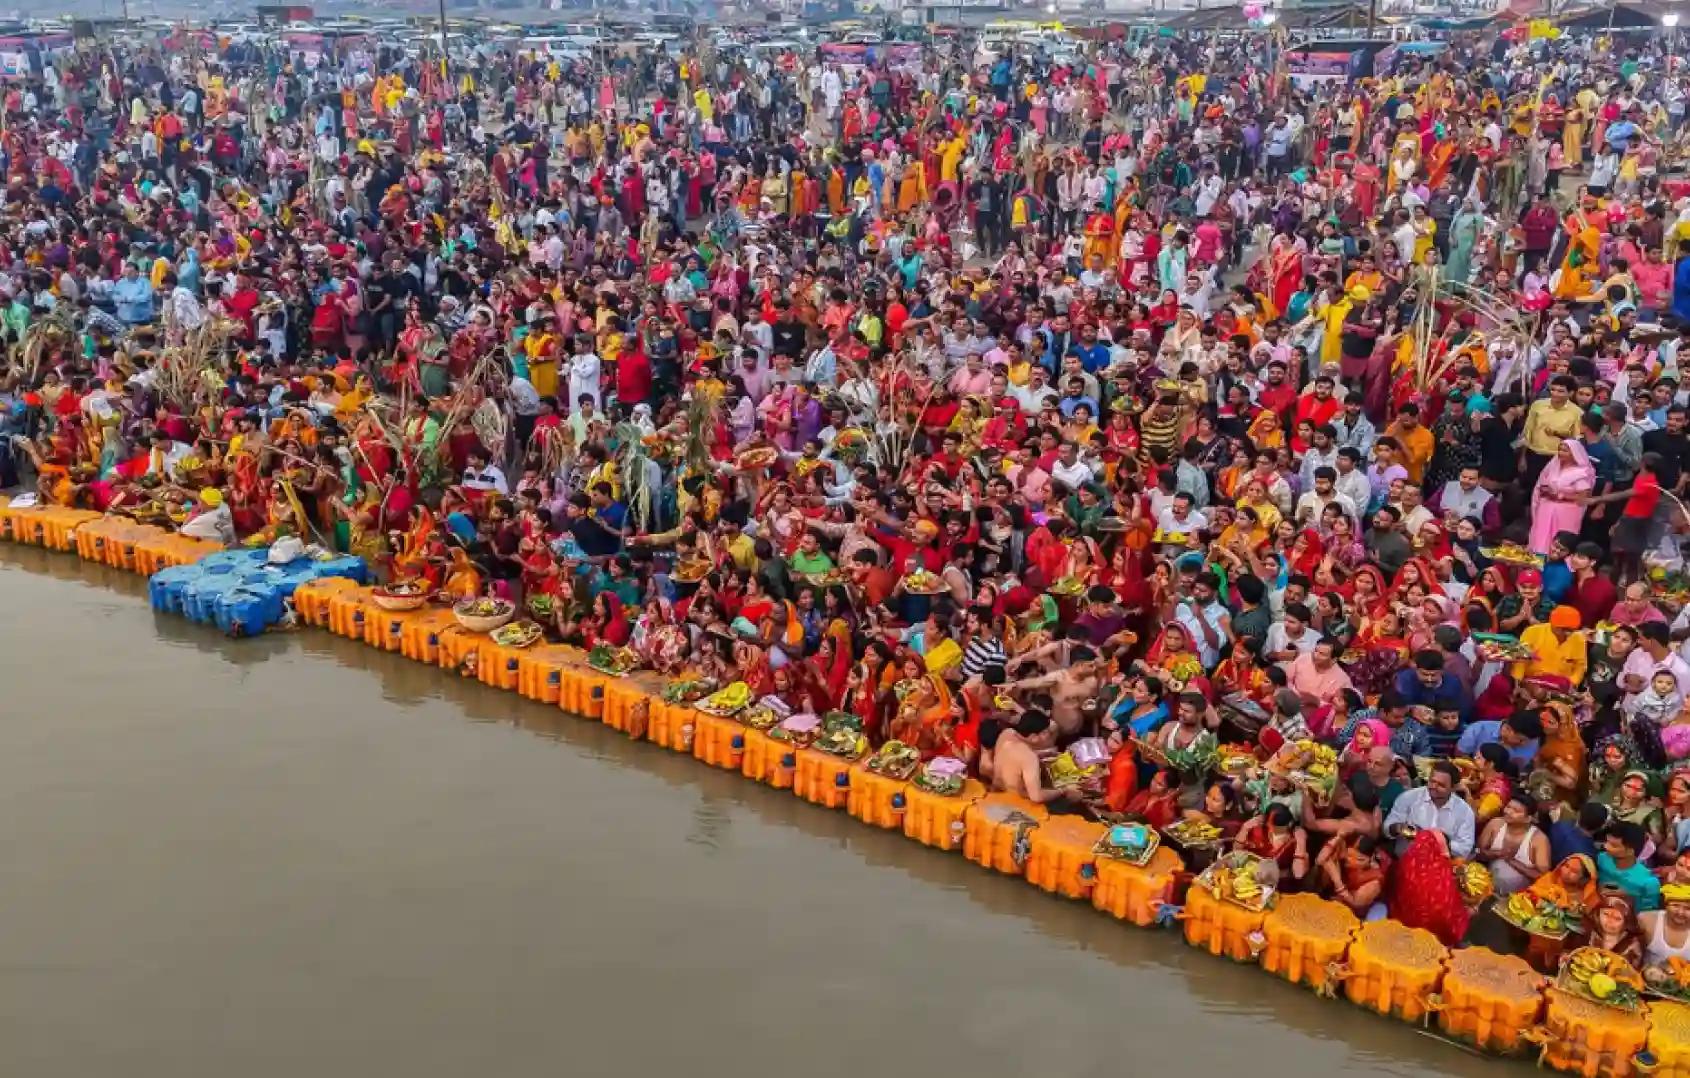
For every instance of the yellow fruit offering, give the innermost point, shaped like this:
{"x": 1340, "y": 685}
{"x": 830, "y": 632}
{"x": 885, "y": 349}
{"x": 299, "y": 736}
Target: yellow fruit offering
{"x": 1602, "y": 986}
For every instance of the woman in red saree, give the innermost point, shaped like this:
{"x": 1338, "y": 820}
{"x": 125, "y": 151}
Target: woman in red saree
{"x": 1274, "y": 836}
{"x": 1366, "y": 592}
{"x": 1284, "y": 270}
{"x": 1158, "y": 803}
{"x": 829, "y": 669}
{"x": 1423, "y": 892}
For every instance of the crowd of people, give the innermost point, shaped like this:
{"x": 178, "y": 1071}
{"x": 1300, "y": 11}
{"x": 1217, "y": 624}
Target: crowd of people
{"x": 1147, "y": 400}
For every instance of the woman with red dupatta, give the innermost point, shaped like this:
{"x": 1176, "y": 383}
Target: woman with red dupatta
{"x": 1423, "y": 892}
{"x": 1307, "y": 550}
{"x": 1284, "y": 270}
{"x": 829, "y": 669}
{"x": 246, "y": 494}
{"x": 1415, "y": 571}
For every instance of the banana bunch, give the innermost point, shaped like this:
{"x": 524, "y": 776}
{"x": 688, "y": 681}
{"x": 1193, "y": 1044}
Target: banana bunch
{"x": 1520, "y": 907}
{"x": 1245, "y": 886}
{"x": 732, "y": 698}
{"x": 1586, "y": 963}
{"x": 1475, "y": 881}
{"x": 1195, "y": 832}
{"x": 1604, "y": 975}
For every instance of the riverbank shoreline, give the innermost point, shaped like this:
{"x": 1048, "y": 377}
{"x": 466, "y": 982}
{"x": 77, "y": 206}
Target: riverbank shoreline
{"x": 1386, "y": 968}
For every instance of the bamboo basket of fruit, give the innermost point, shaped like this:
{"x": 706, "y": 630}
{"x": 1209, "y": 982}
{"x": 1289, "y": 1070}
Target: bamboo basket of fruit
{"x": 728, "y": 701}
{"x": 895, "y": 760}
{"x": 1536, "y": 916}
{"x": 519, "y": 634}
{"x": 687, "y": 690}
{"x": 922, "y": 582}
{"x": 1193, "y": 834}
{"x": 483, "y": 615}
{"x": 1134, "y": 843}
{"x": 942, "y": 775}
{"x": 1237, "y": 878}
{"x": 615, "y": 662}
{"x": 400, "y": 596}
{"x": 1514, "y": 554}
{"x": 1668, "y": 980}
{"x": 1601, "y": 977}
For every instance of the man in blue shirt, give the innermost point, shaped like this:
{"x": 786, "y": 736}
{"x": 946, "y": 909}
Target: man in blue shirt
{"x": 132, "y": 295}
{"x": 1617, "y": 866}
{"x": 1519, "y": 734}
{"x": 1093, "y": 353}
{"x": 1557, "y": 574}
{"x": 1426, "y": 684}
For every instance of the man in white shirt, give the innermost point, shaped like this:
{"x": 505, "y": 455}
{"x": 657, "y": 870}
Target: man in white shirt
{"x": 484, "y": 477}
{"x": 1434, "y": 807}
{"x": 1352, "y": 482}
{"x": 1290, "y": 636}
{"x": 212, "y": 520}
{"x": 1313, "y": 503}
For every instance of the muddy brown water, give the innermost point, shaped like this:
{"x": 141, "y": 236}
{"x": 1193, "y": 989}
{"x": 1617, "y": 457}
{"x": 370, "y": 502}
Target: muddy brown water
{"x": 293, "y": 855}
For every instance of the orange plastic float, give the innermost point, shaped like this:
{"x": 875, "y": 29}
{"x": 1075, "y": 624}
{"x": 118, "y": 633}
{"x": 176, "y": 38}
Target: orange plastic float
{"x": 1489, "y": 1000}
{"x": 1222, "y": 927}
{"x": 385, "y": 629}
{"x": 718, "y": 741}
{"x": 1583, "y": 1037}
{"x": 1305, "y": 935}
{"x": 1669, "y": 1039}
{"x": 25, "y": 525}
{"x": 995, "y": 831}
{"x": 154, "y": 552}
{"x": 625, "y": 704}
{"x": 1062, "y": 857}
{"x": 421, "y": 637}
{"x": 1394, "y": 969}
{"x": 60, "y": 525}
{"x": 1135, "y": 893}
{"x": 540, "y": 669}
{"x": 670, "y": 725}
{"x": 876, "y": 799}
{"x": 583, "y": 691}
{"x": 497, "y": 665}
{"x": 122, "y": 550}
{"x": 460, "y": 651}
{"x": 348, "y": 610}
{"x": 763, "y": 759}
{"x": 311, "y": 599}
{"x": 937, "y": 819}
{"x": 822, "y": 778}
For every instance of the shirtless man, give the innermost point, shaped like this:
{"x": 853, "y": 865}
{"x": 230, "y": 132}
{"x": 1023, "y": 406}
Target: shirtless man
{"x": 1017, "y": 769}
{"x": 1069, "y": 689}
{"x": 1666, "y": 931}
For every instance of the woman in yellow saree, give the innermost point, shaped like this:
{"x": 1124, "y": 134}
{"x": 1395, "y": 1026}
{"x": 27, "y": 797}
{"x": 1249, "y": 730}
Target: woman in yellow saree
{"x": 463, "y": 579}
{"x": 1576, "y": 280}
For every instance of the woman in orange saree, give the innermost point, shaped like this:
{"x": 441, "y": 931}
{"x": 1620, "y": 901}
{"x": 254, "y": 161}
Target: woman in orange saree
{"x": 925, "y": 715}
{"x": 411, "y": 560}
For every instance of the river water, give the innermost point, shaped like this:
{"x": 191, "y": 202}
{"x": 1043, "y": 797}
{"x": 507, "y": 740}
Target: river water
{"x": 295, "y": 855}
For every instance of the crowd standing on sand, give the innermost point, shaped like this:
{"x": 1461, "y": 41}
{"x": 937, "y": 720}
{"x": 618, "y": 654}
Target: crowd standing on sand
{"x": 1293, "y": 470}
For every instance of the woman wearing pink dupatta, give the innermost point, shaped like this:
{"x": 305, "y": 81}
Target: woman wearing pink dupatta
{"x": 1555, "y": 500}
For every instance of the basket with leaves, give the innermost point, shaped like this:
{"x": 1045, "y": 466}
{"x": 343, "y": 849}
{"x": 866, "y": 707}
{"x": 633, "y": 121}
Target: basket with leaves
{"x": 1601, "y": 977}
